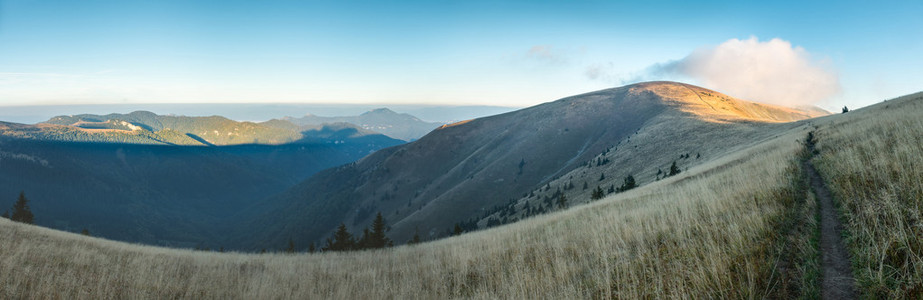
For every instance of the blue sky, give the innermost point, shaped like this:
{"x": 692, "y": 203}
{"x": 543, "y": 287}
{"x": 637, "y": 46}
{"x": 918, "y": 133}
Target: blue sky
{"x": 510, "y": 53}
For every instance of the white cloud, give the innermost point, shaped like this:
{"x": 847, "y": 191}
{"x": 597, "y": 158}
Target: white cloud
{"x": 772, "y": 72}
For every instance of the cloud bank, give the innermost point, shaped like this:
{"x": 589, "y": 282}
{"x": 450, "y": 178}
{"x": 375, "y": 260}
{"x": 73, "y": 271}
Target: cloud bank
{"x": 771, "y": 72}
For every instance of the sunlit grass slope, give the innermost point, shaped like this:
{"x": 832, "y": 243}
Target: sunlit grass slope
{"x": 710, "y": 232}
{"x": 872, "y": 160}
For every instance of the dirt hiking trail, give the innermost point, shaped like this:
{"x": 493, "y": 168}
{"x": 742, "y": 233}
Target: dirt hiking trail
{"x": 838, "y": 282}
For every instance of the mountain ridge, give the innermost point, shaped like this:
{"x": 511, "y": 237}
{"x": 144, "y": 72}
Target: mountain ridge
{"x": 144, "y": 127}
{"x": 456, "y": 172}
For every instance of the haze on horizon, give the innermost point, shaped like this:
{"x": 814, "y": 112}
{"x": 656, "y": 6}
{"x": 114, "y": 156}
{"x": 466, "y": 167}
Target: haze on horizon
{"x": 511, "y": 53}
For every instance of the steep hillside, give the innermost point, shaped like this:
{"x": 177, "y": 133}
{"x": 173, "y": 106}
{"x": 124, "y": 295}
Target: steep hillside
{"x": 455, "y": 173}
{"x": 709, "y": 233}
{"x": 709, "y": 125}
{"x": 383, "y": 120}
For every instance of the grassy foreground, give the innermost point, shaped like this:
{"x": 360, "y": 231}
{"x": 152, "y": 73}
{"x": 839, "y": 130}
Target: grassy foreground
{"x": 710, "y": 232}
{"x": 873, "y": 163}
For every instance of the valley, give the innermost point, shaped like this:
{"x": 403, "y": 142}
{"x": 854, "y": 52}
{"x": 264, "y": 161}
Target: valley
{"x": 163, "y": 180}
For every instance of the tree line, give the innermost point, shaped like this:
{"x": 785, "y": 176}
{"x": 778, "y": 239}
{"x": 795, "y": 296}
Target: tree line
{"x": 343, "y": 240}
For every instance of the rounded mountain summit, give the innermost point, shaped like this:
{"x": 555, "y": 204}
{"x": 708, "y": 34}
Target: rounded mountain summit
{"x": 462, "y": 172}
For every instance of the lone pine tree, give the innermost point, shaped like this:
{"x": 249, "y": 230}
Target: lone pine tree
{"x": 21, "y": 211}
{"x": 377, "y": 238}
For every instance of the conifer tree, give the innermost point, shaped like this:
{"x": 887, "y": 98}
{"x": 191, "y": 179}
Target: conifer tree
{"x": 85, "y": 232}
{"x": 291, "y": 246}
{"x": 21, "y": 211}
{"x": 562, "y": 201}
{"x": 377, "y": 238}
{"x": 312, "y": 247}
{"x": 628, "y": 184}
{"x": 415, "y": 239}
{"x": 363, "y": 241}
{"x": 673, "y": 169}
{"x": 597, "y": 193}
{"x": 458, "y": 230}
{"x": 342, "y": 240}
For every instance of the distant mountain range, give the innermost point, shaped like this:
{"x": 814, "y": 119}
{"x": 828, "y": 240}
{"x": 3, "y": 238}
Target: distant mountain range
{"x": 470, "y": 171}
{"x": 383, "y": 120}
{"x": 144, "y": 127}
{"x": 254, "y": 112}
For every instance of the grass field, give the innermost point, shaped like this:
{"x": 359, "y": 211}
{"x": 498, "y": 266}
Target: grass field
{"x": 873, "y": 163}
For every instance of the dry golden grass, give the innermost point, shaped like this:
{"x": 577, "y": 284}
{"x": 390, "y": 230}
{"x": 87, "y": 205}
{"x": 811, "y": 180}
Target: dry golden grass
{"x": 713, "y": 106}
{"x": 711, "y": 232}
{"x": 872, "y": 160}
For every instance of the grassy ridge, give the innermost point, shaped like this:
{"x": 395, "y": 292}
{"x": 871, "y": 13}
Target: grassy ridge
{"x": 711, "y": 232}
{"x": 872, "y": 163}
